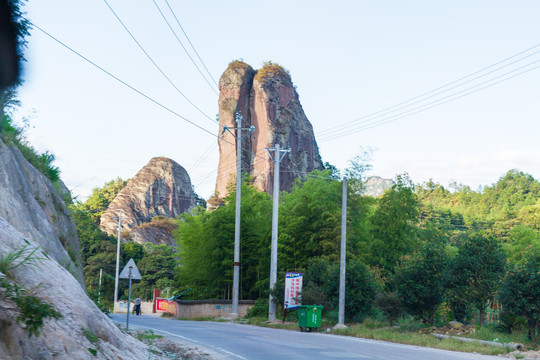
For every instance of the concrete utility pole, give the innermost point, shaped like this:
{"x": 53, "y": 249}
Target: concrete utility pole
{"x": 119, "y": 220}
{"x": 236, "y": 265}
{"x": 275, "y": 212}
{"x": 343, "y": 256}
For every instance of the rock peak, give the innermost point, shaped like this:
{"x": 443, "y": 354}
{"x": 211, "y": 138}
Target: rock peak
{"x": 267, "y": 100}
{"x": 161, "y": 188}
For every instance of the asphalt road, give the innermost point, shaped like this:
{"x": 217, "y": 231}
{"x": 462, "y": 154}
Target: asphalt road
{"x": 225, "y": 340}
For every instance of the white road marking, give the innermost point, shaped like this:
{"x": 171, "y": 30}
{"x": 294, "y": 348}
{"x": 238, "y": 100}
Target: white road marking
{"x": 216, "y": 348}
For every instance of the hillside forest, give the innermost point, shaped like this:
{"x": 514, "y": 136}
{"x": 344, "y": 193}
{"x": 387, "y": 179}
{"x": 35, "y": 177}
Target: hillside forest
{"x": 431, "y": 252}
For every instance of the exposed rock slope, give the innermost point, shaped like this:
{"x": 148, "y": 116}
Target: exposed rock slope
{"x": 32, "y": 214}
{"x": 375, "y": 186}
{"x": 30, "y": 203}
{"x": 162, "y": 187}
{"x": 268, "y": 101}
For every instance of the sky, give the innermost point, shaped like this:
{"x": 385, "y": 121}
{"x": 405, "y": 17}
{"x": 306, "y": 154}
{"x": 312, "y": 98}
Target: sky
{"x": 348, "y": 59}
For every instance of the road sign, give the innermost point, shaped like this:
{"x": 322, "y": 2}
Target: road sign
{"x": 293, "y": 286}
{"x": 135, "y": 274}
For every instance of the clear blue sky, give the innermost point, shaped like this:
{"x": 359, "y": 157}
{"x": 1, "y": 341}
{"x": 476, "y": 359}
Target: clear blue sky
{"x": 348, "y": 59}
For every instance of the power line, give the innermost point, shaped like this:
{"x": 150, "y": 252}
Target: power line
{"x": 436, "y": 102}
{"x": 332, "y": 129}
{"x": 156, "y": 65}
{"x": 123, "y": 82}
{"x": 190, "y": 43}
{"x": 183, "y": 47}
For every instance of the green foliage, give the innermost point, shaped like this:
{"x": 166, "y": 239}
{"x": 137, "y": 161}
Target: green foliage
{"x": 32, "y": 311}
{"x": 270, "y": 69}
{"x": 90, "y": 336}
{"x": 101, "y": 197}
{"x": 420, "y": 281}
{"x": 310, "y": 221}
{"x": 520, "y": 292}
{"x": 394, "y": 231}
{"x": 475, "y": 274}
{"x": 43, "y": 162}
{"x": 389, "y": 303}
{"x": 206, "y": 247}
{"x": 321, "y": 287}
{"x": 157, "y": 268}
{"x": 260, "y": 309}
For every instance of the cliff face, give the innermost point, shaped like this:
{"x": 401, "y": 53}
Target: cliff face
{"x": 31, "y": 204}
{"x": 375, "y": 186}
{"x": 268, "y": 101}
{"x": 162, "y": 187}
{"x": 33, "y": 215}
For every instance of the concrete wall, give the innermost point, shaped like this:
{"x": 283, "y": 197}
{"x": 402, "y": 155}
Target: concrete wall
{"x": 121, "y": 307}
{"x": 190, "y": 309}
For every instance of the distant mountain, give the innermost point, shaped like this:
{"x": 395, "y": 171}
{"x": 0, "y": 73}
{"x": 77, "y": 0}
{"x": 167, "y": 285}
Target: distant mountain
{"x": 161, "y": 189}
{"x": 375, "y": 186}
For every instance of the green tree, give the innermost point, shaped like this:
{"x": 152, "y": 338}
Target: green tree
{"x": 310, "y": 221}
{"x": 394, "y": 232}
{"x": 420, "y": 281}
{"x": 101, "y": 197}
{"x": 157, "y": 269}
{"x": 475, "y": 274}
{"x": 520, "y": 292}
{"x": 206, "y": 247}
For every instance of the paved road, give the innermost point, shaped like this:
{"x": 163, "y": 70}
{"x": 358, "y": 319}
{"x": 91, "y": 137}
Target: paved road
{"x": 226, "y": 340}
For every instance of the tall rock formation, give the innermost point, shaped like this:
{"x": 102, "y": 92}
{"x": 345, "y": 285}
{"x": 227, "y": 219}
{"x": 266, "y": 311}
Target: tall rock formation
{"x": 267, "y": 100}
{"x": 161, "y": 188}
{"x": 33, "y": 216}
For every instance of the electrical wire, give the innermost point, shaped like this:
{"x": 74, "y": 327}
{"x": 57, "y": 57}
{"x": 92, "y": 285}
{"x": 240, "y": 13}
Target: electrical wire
{"x": 332, "y": 129}
{"x": 190, "y": 43}
{"x": 123, "y": 82}
{"x": 183, "y": 47}
{"x": 437, "y": 102}
{"x": 156, "y": 65}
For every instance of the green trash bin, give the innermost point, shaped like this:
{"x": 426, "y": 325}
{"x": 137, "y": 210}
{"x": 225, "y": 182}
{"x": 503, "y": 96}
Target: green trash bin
{"x": 309, "y": 317}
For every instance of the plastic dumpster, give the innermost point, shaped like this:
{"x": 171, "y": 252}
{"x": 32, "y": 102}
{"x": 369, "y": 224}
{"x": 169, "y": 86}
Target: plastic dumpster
{"x": 309, "y": 317}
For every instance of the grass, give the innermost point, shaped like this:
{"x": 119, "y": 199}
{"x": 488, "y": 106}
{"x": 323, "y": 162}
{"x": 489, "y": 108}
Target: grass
{"x": 400, "y": 336}
{"x": 407, "y": 332}
{"x": 489, "y": 334}
{"x": 147, "y": 336}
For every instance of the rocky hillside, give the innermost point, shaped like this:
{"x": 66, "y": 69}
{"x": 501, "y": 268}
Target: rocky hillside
{"x": 34, "y": 217}
{"x": 161, "y": 188}
{"x": 31, "y": 204}
{"x": 267, "y": 100}
{"x": 375, "y": 185}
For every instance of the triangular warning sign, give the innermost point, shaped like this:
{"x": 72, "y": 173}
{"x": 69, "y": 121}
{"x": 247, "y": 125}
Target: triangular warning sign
{"x": 135, "y": 274}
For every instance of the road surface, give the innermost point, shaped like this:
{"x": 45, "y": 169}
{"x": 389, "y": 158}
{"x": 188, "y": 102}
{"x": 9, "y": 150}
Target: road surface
{"x": 224, "y": 341}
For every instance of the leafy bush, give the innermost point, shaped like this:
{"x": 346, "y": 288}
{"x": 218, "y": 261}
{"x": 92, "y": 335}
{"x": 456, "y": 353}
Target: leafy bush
{"x": 260, "y": 309}
{"x": 520, "y": 292}
{"x": 43, "y": 162}
{"x": 32, "y": 310}
{"x": 420, "y": 284}
{"x": 389, "y": 304}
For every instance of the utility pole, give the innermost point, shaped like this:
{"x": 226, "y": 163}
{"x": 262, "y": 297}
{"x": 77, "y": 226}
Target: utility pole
{"x": 236, "y": 264}
{"x": 275, "y": 212}
{"x": 343, "y": 263}
{"x": 119, "y": 219}
{"x": 99, "y": 288}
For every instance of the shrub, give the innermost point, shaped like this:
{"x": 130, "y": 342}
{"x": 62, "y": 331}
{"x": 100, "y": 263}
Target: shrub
{"x": 389, "y": 304}
{"x": 420, "y": 284}
{"x": 520, "y": 292}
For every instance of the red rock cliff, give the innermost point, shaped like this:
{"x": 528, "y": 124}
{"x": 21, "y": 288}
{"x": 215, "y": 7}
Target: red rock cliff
{"x": 268, "y": 101}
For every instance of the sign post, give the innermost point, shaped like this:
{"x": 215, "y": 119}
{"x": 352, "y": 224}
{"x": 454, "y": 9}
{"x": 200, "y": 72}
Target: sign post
{"x": 130, "y": 272}
{"x": 293, "y": 286}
